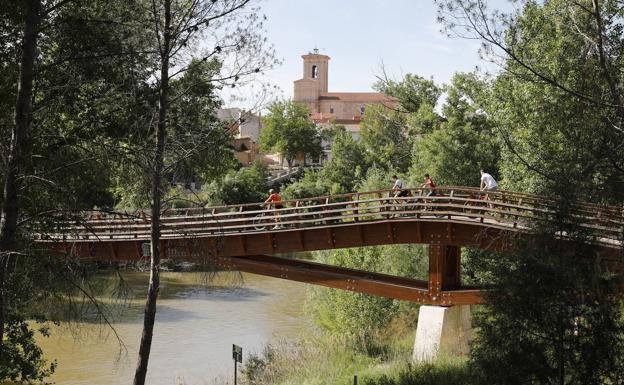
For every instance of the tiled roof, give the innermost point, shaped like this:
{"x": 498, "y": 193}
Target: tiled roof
{"x": 324, "y": 117}
{"x": 364, "y": 97}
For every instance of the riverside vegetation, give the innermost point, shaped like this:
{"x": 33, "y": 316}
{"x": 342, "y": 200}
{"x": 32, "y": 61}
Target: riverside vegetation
{"x": 549, "y": 123}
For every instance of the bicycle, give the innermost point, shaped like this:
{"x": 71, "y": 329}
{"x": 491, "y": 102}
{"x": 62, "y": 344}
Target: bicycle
{"x": 428, "y": 200}
{"x": 260, "y": 220}
{"x": 400, "y": 203}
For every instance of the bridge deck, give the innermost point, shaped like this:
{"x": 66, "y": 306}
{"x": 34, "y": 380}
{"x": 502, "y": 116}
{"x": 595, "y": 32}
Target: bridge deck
{"x": 455, "y": 217}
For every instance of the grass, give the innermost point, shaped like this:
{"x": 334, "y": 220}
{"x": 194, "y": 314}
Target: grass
{"x": 324, "y": 359}
{"x": 441, "y": 372}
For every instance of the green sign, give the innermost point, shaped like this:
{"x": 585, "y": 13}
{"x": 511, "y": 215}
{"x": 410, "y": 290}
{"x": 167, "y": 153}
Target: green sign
{"x": 237, "y": 353}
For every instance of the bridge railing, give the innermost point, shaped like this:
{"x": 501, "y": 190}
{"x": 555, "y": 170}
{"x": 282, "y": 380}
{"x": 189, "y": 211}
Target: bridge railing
{"x": 503, "y": 209}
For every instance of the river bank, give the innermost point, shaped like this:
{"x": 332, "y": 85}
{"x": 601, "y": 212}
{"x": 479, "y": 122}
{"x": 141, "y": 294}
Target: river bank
{"x": 321, "y": 358}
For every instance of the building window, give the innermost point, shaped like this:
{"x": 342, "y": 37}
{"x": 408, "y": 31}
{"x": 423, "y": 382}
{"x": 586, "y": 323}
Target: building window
{"x": 314, "y": 72}
{"x": 331, "y": 110}
{"x": 362, "y": 110}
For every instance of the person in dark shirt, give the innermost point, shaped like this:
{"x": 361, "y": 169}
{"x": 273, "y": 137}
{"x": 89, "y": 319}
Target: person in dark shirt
{"x": 429, "y": 185}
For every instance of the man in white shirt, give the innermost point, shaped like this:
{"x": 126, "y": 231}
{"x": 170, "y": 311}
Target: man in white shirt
{"x": 398, "y": 189}
{"x": 487, "y": 182}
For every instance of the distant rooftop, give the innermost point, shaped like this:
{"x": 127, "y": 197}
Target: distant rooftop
{"x": 363, "y": 97}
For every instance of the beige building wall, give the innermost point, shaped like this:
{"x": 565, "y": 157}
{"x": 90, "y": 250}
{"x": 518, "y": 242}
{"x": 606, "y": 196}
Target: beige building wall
{"x": 315, "y": 80}
{"x": 312, "y": 89}
{"x": 342, "y": 109}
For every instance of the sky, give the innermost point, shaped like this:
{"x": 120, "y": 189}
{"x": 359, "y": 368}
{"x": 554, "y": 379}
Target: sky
{"x": 361, "y": 36}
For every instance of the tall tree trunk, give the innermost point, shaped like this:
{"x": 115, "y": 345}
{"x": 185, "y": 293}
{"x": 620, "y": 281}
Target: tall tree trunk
{"x": 18, "y": 151}
{"x": 152, "y": 293}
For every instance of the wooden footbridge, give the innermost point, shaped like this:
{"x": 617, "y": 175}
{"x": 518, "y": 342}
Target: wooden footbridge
{"x": 248, "y": 237}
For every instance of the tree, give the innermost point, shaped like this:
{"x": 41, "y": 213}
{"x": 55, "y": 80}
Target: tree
{"x": 312, "y": 184}
{"x": 18, "y": 151}
{"x": 413, "y": 91}
{"x": 348, "y": 163}
{"x": 289, "y": 131}
{"x": 176, "y": 25}
{"x": 247, "y": 185}
{"x": 464, "y": 142}
{"x": 384, "y": 135}
{"x": 559, "y": 112}
{"x": 561, "y": 87}
{"x": 44, "y": 175}
{"x": 360, "y": 316}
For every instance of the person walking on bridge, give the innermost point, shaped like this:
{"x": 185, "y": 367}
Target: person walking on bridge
{"x": 276, "y": 200}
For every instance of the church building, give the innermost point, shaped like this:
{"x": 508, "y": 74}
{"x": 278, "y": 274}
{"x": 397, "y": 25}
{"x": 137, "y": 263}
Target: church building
{"x": 344, "y": 108}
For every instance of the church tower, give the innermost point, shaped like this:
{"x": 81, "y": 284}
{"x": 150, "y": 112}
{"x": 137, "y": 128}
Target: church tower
{"x": 314, "y": 81}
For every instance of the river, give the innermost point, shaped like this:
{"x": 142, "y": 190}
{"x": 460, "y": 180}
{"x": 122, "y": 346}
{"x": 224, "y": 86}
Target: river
{"x": 196, "y": 325}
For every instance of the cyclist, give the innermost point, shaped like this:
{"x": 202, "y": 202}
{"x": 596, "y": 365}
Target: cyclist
{"x": 488, "y": 184}
{"x": 398, "y": 190}
{"x": 276, "y": 200}
{"x": 428, "y": 183}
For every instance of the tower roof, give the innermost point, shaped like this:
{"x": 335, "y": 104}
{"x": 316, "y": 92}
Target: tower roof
{"x": 315, "y": 55}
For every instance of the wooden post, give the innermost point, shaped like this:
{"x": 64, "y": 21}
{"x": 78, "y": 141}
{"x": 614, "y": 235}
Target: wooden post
{"x": 298, "y": 217}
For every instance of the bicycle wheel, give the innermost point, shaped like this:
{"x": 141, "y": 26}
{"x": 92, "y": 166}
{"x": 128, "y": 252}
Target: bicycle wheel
{"x": 259, "y": 222}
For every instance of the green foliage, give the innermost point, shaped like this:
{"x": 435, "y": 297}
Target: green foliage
{"x": 552, "y": 317}
{"x": 323, "y": 359}
{"x": 425, "y": 374}
{"x": 383, "y": 134}
{"x": 347, "y": 164}
{"x": 454, "y": 152}
{"x": 95, "y": 91}
{"x": 312, "y": 184}
{"x": 21, "y": 360}
{"x": 424, "y": 121}
{"x": 247, "y": 185}
{"x": 566, "y": 127}
{"x": 316, "y": 360}
{"x": 289, "y": 131}
{"x": 376, "y": 178}
{"x": 199, "y": 147}
{"x": 413, "y": 92}
{"x": 339, "y": 175}
{"x": 361, "y": 316}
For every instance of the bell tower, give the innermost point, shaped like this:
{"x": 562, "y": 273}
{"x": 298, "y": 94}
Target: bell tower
{"x": 315, "y": 67}
{"x": 314, "y": 80}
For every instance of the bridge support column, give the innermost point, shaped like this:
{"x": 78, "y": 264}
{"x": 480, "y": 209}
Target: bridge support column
{"x": 442, "y": 331}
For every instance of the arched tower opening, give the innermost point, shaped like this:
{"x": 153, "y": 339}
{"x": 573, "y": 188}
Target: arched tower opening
{"x": 314, "y": 81}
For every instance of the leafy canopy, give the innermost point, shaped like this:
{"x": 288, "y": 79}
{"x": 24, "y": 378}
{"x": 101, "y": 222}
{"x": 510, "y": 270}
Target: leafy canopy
{"x": 289, "y": 131}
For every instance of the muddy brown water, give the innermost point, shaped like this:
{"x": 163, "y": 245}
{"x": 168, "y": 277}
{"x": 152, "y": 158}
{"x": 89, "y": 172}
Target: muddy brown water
{"x": 196, "y": 325}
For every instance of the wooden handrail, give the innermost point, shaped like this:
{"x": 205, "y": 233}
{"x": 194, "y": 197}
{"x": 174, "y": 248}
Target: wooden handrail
{"x": 457, "y": 204}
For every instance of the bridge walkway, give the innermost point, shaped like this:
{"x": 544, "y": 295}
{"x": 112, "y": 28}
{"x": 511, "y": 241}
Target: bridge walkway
{"x": 245, "y": 236}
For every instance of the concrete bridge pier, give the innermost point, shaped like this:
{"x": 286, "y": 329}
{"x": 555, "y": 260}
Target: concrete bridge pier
{"x": 442, "y": 330}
